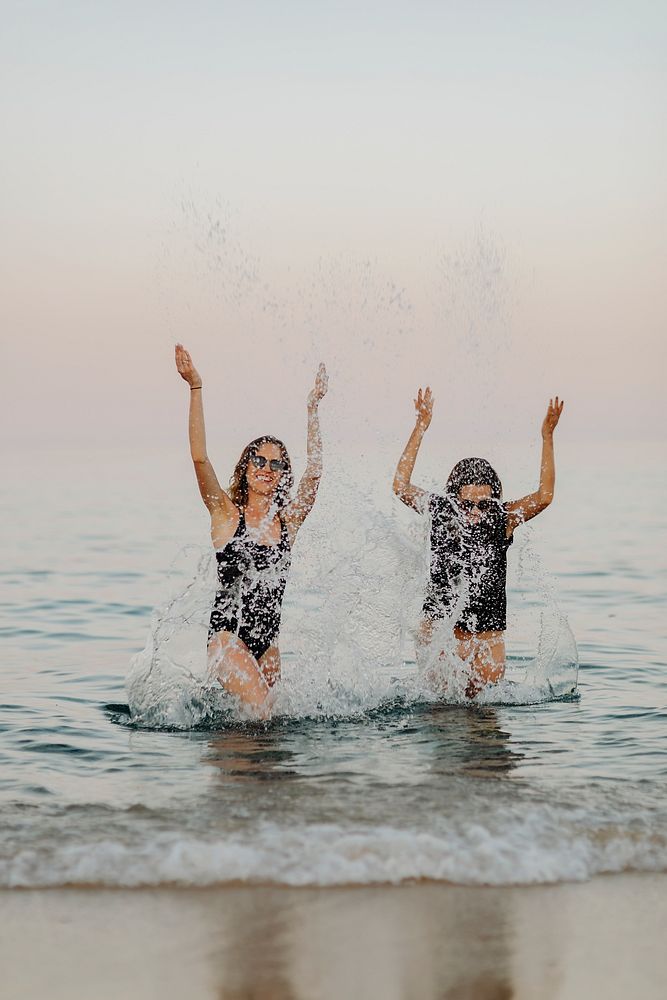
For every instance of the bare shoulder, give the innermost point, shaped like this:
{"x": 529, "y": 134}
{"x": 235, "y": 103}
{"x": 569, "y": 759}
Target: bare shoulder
{"x": 525, "y": 509}
{"x": 414, "y": 497}
{"x": 423, "y": 501}
{"x": 224, "y": 522}
{"x": 514, "y": 518}
{"x": 292, "y": 516}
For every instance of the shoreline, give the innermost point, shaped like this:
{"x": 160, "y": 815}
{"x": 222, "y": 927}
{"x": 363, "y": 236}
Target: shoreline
{"x": 417, "y": 940}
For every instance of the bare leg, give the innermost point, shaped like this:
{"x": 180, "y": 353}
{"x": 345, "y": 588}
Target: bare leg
{"x": 230, "y": 660}
{"x": 425, "y": 631}
{"x": 484, "y": 652}
{"x": 269, "y": 665}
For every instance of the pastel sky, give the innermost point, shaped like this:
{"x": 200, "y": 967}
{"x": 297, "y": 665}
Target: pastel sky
{"x": 467, "y": 194}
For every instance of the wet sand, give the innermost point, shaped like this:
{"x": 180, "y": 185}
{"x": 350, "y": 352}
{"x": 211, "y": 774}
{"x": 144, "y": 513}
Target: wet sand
{"x": 601, "y": 938}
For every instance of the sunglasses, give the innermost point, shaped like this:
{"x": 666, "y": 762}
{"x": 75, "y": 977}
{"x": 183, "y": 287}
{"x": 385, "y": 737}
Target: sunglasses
{"x": 275, "y": 464}
{"x": 481, "y": 505}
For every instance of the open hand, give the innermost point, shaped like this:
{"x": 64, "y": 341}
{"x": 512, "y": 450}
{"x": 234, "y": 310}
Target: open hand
{"x": 424, "y": 408}
{"x": 553, "y": 416}
{"x": 319, "y": 390}
{"x": 185, "y": 367}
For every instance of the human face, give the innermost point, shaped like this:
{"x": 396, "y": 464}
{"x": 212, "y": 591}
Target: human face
{"x": 264, "y": 481}
{"x": 469, "y": 495}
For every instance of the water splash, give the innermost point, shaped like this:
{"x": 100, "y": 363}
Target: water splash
{"x": 348, "y": 633}
{"x": 356, "y": 589}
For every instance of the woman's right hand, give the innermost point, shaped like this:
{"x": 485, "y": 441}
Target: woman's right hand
{"x": 424, "y": 408}
{"x": 185, "y": 367}
{"x": 553, "y": 416}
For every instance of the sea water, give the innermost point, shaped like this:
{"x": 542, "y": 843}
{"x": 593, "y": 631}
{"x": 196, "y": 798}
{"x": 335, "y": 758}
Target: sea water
{"x": 122, "y": 767}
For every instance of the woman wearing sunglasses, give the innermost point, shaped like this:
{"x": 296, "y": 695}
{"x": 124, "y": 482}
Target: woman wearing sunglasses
{"x": 471, "y": 530}
{"x": 253, "y": 527}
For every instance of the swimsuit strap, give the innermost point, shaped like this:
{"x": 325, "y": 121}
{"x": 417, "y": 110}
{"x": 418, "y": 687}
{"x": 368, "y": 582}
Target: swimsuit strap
{"x": 284, "y": 533}
{"x": 241, "y": 527}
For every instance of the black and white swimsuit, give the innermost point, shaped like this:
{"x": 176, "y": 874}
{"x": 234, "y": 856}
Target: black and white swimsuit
{"x": 467, "y": 560}
{"x": 251, "y": 587}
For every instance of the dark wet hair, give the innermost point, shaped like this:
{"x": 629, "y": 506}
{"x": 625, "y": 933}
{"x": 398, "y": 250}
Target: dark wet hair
{"x": 474, "y": 472}
{"x": 238, "y": 484}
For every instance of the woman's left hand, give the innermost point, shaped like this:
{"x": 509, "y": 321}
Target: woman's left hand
{"x": 320, "y": 388}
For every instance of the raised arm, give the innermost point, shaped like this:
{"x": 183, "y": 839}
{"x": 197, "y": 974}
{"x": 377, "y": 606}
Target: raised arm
{"x": 298, "y": 510}
{"x": 211, "y": 492}
{"x": 412, "y": 495}
{"x": 532, "y": 505}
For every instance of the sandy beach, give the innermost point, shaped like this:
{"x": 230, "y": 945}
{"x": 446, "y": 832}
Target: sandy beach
{"x": 600, "y": 938}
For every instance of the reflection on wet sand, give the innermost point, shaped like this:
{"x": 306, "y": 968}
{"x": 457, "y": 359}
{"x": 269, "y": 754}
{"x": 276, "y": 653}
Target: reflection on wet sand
{"x": 418, "y": 942}
{"x": 428, "y": 942}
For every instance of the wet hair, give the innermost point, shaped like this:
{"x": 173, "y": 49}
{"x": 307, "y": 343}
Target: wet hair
{"x": 238, "y": 484}
{"x": 473, "y": 472}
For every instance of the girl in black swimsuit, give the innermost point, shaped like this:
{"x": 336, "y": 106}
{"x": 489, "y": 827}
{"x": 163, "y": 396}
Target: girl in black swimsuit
{"x": 251, "y": 585}
{"x": 253, "y": 527}
{"x": 471, "y": 530}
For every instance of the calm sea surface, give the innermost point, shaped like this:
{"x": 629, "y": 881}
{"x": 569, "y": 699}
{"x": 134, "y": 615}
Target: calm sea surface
{"x": 368, "y": 784}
